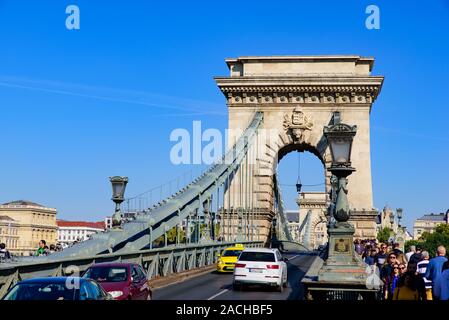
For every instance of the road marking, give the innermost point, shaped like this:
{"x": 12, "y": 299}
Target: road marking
{"x": 294, "y": 257}
{"x": 218, "y": 294}
{"x": 226, "y": 290}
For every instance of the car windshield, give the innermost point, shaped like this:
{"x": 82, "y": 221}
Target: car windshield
{"x": 107, "y": 274}
{"x": 257, "y": 256}
{"x": 231, "y": 253}
{"x": 42, "y": 291}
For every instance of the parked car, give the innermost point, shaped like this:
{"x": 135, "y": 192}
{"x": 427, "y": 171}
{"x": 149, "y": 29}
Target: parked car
{"x": 123, "y": 281}
{"x": 228, "y": 258}
{"x": 260, "y": 266}
{"x": 57, "y": 288}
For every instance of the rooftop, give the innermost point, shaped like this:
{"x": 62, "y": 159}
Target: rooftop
{"x": 300, "y": 65}
{"x": 434, "y": 217}
{"x": 80, "y": 224}
{"x": 292, "y": 216}
{"x": 23, "y": 203}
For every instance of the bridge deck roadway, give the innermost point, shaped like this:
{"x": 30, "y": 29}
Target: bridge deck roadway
{"x": 215, "y": 286}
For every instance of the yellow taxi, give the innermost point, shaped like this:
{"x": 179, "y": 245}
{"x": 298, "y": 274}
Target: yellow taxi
{"x": 228, "y": 258}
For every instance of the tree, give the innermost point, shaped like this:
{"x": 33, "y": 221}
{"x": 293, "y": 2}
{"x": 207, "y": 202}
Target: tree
{"x": 440, "y": 237}
{"x": 412, "y": 243}
{"x": 171, "y": 237}
{"x": 384, "y": 234}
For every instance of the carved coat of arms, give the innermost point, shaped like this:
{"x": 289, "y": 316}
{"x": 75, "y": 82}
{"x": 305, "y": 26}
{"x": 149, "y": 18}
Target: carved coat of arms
{"x": 296, "y": 123}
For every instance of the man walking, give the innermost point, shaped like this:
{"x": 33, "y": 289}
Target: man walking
{"x": 417, "y": 256}
{"x": 422, "y": 268}
{"x": 441, "y": 286}
{"x": 4, "y": 253}
{"x": 435, "y": 266}
{"x": 381, "y": 256}
{"x": 411, "y": 251}
{"x": 396, "y": 249}
{"x": 41, "y": 250}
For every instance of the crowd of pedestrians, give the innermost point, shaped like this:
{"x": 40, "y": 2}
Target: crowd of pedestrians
{"x": 42, "y": 250}
{"x": 407, "y": 276}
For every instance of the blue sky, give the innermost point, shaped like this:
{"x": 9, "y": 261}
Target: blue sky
{"x": 78, "y": 106}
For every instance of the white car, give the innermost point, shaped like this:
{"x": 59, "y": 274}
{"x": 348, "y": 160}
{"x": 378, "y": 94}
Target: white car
{"x": 260, "y": 266}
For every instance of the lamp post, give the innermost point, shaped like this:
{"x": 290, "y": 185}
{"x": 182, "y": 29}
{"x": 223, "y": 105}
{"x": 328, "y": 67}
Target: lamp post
{"x": 239, "y": 224}
{"x": 392, "y": 219}
{"x": 343, "y": 265}
{"x": 399, "y": 214}
{"x": 400, "y": 237}
{"x": 206, "y": 233}
{"x": 340, "y": 137}
{"x": 274, "y": 236}
{"x": 118, "y": 192}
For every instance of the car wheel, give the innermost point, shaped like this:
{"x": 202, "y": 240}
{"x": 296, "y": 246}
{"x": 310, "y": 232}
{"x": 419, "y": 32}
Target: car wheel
{"x": 280, "y": 288}
{"x": 286, "y": 282}
{"x": 236, "y": 287}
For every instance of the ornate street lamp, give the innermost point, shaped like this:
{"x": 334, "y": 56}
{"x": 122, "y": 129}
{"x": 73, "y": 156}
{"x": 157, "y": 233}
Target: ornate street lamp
{"x": 399, "y": 214}
{"x": 240, "y": 236}
{"x": 400, "y": 237}
{"x": 343, "y": 266}
{"x": 340, "y": 137}
{"x": 391, "y": 219}
{"x": 118, "y": 193}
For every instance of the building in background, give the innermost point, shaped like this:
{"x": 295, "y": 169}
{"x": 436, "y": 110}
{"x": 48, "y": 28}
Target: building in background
{"x": 108, "y": 222}
{"x": 70, "y": 232}
{"x": 408, "y": 235}
{"x": 312, "y": 218}
{"x": 33, "y": 221}
{"x": 126, "y": 217}
{"x": 293, "y": 223}
{"x": 428, "y": 223}
{"x": 308, "y": 224}
{"x": 383, "y": 220}
{"x": 9, "y": 233}
{"x": 399, "y": 233}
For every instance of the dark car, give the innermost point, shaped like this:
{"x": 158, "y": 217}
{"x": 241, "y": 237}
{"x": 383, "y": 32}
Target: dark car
{"x": 123, "y": 281}
{"x": 57, "y": 288}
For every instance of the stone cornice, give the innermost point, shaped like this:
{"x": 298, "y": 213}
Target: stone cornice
{"x": 313, "y": 206}
{"x": 251, "y": 90}
{"x": 4, "y": 208}
{"x": 312, "y": 203}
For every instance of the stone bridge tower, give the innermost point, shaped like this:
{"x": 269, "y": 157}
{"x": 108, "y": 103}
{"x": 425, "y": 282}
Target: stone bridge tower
{"x": 298, "y": 96}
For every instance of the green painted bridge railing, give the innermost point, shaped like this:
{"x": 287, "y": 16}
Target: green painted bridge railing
{"x": 156, "y": 262}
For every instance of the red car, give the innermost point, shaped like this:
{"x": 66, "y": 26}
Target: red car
{"x": 123, "y": 281}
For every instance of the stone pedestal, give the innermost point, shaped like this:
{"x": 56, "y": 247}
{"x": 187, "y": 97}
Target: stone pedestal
{"x": 400, "y": 239}
{"x": 364, "y": 222}
{"x": 342, "y": 264}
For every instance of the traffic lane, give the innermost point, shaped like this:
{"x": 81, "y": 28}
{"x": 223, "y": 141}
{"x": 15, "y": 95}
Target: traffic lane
{"x": 296, "y": 268}
{"x": 216, "y": 286}
{"x": 197, "y": 288}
